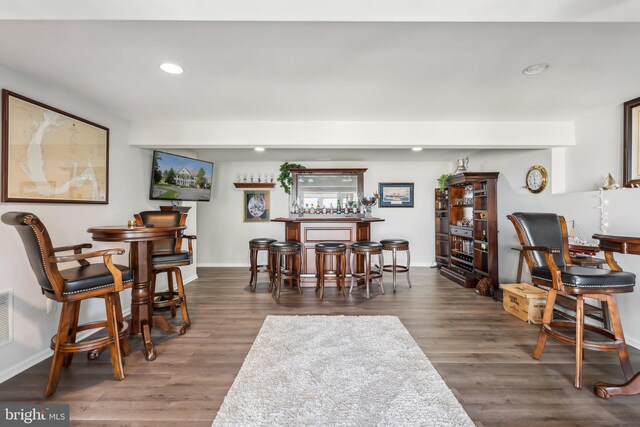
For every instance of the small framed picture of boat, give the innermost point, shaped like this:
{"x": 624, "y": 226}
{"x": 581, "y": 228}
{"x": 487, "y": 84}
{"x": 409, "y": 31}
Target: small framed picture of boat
{"x": 395, "y": 194}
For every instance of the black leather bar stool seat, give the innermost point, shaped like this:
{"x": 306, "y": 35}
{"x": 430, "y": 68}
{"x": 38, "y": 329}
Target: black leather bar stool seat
{"x": 285, "y": 260}
{"x": 255, "y": 246}
{"x": 395, "y": 245}
{"x": 337, "y": 265}
{"x": 366, "y": 249}
{"x": 366, "y": 246}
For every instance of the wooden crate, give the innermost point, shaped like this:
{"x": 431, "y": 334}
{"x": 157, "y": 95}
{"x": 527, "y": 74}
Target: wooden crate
{"x": 524, "y": 301}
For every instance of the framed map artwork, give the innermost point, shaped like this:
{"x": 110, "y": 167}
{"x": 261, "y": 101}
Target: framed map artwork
{"x": 50, "y": 156}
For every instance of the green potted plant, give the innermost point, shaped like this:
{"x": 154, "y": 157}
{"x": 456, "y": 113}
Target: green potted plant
{"x": 442, "y": 180}
{"x": 284, "y": 178}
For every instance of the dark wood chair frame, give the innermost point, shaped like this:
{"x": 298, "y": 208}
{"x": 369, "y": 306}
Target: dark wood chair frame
{"x": 255, "y": 268}
{"x": 64, "y": 343}
{"x": 394, "y": 268}
{"x": 604, "y": 295}
{"x": 172, "y": 298}
{"x": 340, "y": 272}
{"x": 291, "y": 258}
{"x": 368, "y": 274}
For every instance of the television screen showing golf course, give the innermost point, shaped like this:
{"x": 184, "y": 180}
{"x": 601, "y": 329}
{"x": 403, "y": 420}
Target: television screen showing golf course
{"x": 180, "y": 178}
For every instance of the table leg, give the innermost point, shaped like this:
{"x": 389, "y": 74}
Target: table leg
{"x": 630, "y": 388}
{"x": 141, "y": 301}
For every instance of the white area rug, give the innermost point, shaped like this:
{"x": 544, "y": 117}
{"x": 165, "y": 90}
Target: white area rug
{"x": 338, "y": 371}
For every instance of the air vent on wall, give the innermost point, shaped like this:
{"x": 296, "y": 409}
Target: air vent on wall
{"x": 6, "y": 316}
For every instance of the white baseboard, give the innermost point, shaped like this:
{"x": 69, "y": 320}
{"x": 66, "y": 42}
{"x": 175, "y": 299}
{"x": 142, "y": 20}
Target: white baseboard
{"x": 246, "y": 265}
{"x": 47, "y": 352}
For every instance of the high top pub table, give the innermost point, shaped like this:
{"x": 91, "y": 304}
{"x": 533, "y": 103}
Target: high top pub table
{"x": 140, "y": 239}
{"x": 623, "y": 245}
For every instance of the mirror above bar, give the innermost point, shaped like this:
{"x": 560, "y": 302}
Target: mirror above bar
{"x": 327, "y": 192}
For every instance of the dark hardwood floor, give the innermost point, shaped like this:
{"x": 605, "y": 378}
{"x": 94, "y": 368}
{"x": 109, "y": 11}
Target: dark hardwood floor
{"x": 483, "y": 354}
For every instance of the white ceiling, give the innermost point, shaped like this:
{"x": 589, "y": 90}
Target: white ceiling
{"x": 331, "y": 155}
{"x": 239, "y": 71}
{"x": 327, "y": 10}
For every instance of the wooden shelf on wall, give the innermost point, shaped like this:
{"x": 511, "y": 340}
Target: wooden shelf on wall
{"x": 254, "y": 184}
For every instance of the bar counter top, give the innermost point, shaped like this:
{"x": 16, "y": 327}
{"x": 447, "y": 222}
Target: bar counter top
{"x": 323, "y": 218}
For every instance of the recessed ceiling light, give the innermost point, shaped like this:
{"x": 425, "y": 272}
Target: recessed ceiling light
{"x": 535, "y": 69}
{"x": 260, "y": 149}
{"x": 170, "y": 68}
{"x": 416, "y": 149}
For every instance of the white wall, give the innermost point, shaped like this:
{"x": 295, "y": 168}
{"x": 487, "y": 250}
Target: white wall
{"x": 224, "y": 237}
{"x": 587, "y": 164}
{"x": 129, "y": 175}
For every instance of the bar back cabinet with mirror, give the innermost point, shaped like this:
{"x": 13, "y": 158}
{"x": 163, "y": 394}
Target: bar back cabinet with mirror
{"x": 327, "y": 188}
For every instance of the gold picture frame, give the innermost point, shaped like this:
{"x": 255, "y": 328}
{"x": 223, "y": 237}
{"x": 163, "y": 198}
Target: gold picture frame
{"x": 51, "y": 156}
{"x": 631, "y": 143}
{"x": 256, "y": 206}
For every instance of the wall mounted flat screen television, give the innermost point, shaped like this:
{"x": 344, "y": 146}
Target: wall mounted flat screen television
{"x": 180, "y": 178}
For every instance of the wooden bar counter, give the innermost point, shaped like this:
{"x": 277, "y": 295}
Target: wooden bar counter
{"x": 312, "y": 229}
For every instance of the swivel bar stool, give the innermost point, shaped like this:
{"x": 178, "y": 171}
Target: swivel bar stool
{"x": 255, "y": 246}
{"x": 366, "y": 249}
{"x": 289, "y": 254}
{"x": 395, "y": 245}
{"x": 336, "y": 252}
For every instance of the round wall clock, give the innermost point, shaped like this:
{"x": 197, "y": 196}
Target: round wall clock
{"x": 536, "y": 179}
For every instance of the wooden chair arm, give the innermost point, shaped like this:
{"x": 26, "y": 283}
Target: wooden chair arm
{"x": 106, "y": 255}
{"x": 613, "y": 265}
{"x": 77, "y": 257}
{"x": 545, "y": 249}
{"x": 77, "y": 249}
{"x": 73, "y": 247}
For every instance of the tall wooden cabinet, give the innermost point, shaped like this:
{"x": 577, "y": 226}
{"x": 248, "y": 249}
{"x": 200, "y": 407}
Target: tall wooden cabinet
{"x": 467, "y": 228}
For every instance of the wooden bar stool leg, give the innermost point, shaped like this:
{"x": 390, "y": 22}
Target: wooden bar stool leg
{"x": 68, "y": 357}
{"x": 170, "y": 292}
{"x": 278, "y": 274}
{"x": 353, "y": 270}
{"x": 322, "y": 276}
{"x": 66, "y": 316}
{"x": 606, "y": 318}
{"x": 623, "y": 353}
{"x": 367, "y": 270}
{"x": 298, "y": 265}
{"x": 546, "y": 319}
{"x": 272, "y": 270}
{"x": 124, "y": 342}
{"x": 317, "y": 271}
{"x": 380, "y": 280}
{"x": 343, "y": 270}
{"x": 394, "y": 255}
{"x": 253, "y": 261}
{"x": 579, "y": 338}
{"x": 408, "y": 264}
{"x": 183, "y": 296}
{"x": 112, "y": 329}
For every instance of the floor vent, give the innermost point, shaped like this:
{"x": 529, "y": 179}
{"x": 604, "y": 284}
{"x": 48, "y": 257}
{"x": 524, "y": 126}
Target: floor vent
{"x": 6, "y": 316}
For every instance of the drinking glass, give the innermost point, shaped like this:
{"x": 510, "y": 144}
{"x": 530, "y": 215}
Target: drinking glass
{"x": 245, "y": 177}
{"x": 271, "y": 176}
{"x": 238, "y": 177}
{"x": 251, "y": 174}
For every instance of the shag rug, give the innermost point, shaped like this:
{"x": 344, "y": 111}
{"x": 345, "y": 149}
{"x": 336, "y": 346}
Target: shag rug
{"x": 338, "y": 371}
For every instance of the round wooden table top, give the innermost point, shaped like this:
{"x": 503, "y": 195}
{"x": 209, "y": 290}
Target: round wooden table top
{"x": 138, "y": 233}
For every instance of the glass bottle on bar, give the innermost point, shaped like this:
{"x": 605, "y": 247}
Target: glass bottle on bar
{"x": 339, "y": 208}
